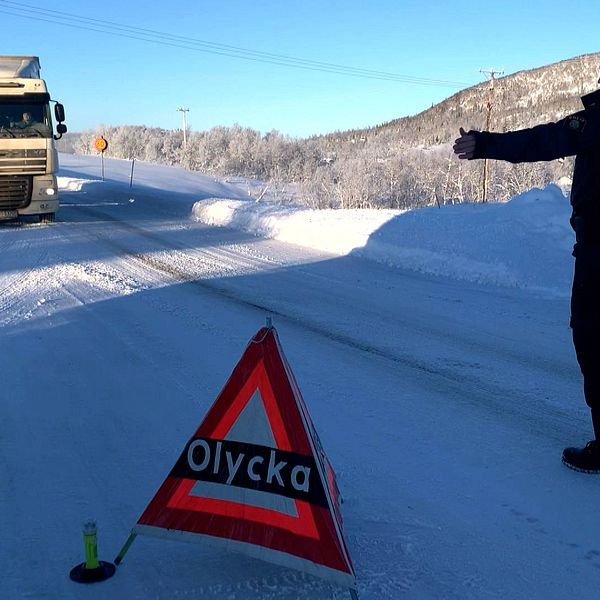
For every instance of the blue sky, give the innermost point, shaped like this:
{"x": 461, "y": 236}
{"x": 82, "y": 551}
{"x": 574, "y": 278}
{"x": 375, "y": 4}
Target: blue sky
{"x": 107, "y": 79}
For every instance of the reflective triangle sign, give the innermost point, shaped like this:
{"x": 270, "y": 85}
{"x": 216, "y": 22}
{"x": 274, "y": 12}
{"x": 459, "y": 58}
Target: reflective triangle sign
{"x": 254, "y": 476}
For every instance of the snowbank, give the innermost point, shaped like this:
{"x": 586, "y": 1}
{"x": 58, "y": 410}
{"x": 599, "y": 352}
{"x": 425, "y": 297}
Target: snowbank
{"x": 522, "y": 243}
{"x": 73, "y": 185}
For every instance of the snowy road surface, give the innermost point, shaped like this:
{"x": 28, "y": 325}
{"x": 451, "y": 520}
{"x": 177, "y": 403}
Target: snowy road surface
{"x": 443, "y": 405}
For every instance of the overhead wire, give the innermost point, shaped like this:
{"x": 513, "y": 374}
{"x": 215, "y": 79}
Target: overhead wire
{"x": 153, "y": 36}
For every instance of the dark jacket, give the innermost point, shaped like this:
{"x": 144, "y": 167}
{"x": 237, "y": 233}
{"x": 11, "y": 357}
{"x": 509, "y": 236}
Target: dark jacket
{"x": 577, "y": 134}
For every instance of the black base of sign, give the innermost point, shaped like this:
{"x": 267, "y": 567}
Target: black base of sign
{"x": 83, "y": 575}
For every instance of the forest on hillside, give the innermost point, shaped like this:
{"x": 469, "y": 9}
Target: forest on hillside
{"x": 360, "y": 175}
{"x": 406, "y": 163}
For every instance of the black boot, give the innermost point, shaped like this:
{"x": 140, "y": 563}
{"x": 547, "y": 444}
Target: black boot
{"x": 586, "y": 460}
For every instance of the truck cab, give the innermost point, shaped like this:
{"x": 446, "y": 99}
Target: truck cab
{"x": 28, "y": 156}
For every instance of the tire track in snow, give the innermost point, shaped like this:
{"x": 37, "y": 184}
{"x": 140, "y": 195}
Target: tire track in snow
{"x": 182, "y": 264}
{"x": 39, "y": 288}
{"x": 16, "y": 286}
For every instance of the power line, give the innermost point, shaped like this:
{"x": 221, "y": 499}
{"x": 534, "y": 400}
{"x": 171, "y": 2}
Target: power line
{"x": 157, "y": 37}
{"x": 73, "y": 20}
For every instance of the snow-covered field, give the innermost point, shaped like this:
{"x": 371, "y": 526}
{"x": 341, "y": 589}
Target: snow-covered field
{"x": 432, "y": 348}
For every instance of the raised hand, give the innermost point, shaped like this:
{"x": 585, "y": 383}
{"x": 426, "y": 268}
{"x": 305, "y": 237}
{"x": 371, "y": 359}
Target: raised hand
{"x": 464, "y": 146}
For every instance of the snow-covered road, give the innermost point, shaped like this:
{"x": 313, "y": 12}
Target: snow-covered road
{"x": 443, "y": 405}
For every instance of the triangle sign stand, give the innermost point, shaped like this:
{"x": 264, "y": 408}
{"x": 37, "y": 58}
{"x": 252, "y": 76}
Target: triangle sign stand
{"x": 254, "y": 476}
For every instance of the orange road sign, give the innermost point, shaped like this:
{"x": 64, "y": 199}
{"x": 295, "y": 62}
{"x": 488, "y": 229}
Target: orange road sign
{"x": 101, "y": 144}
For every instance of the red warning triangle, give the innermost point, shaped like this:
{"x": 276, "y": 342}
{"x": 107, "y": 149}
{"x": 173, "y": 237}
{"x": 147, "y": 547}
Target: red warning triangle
{"x": 254, "y": 475}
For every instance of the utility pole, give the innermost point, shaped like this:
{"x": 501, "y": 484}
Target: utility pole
{"x": 492, "y": 74}
{"x": 183, "y": 111}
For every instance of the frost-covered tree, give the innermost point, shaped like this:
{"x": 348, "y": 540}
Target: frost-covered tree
{"x": 401, "y": 164}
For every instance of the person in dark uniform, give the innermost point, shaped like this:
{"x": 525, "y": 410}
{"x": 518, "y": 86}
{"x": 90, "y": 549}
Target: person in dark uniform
{"x": 576, "y": 135}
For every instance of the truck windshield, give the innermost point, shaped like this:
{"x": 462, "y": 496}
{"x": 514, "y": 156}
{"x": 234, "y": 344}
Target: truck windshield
{"x": 22, "y": 120}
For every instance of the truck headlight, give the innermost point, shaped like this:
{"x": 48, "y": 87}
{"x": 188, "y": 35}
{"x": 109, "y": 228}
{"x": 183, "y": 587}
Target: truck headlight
{"x": 50, "y": 191}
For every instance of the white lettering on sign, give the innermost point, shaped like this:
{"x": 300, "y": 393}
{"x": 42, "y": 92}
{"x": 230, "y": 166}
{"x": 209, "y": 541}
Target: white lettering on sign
{"x": 301, "y": 487}
{"x": 199, "y": 458}
{"x": 233, "y": 467}
{"x": 274, "y": 469}
{"x": 193, "y": 464}
{"x": 217, "y": 458}
{"x": 251, "y": 473}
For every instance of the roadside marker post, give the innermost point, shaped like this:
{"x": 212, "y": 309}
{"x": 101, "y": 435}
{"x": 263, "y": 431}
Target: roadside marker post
{"x": 131, "y": 176}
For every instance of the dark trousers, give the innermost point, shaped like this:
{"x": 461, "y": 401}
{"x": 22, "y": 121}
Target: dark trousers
{"x": 587, "y": 348}
{"x": 585, "y": 322}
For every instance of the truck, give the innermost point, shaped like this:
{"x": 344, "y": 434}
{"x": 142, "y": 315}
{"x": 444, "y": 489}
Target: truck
{"x": 28, "y": 155}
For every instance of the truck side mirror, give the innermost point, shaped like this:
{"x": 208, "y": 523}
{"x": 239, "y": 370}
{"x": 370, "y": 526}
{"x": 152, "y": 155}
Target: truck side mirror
{"x": 60, "y": 129}
{"x": 59, "y": 112}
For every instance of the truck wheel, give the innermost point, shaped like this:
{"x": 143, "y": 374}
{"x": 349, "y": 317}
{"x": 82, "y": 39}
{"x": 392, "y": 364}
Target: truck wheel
{"x": 47, "y": 218}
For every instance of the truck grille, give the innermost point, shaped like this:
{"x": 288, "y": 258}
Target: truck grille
{"x": 23, "y": 161}
{"x": 15, "y": 192}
